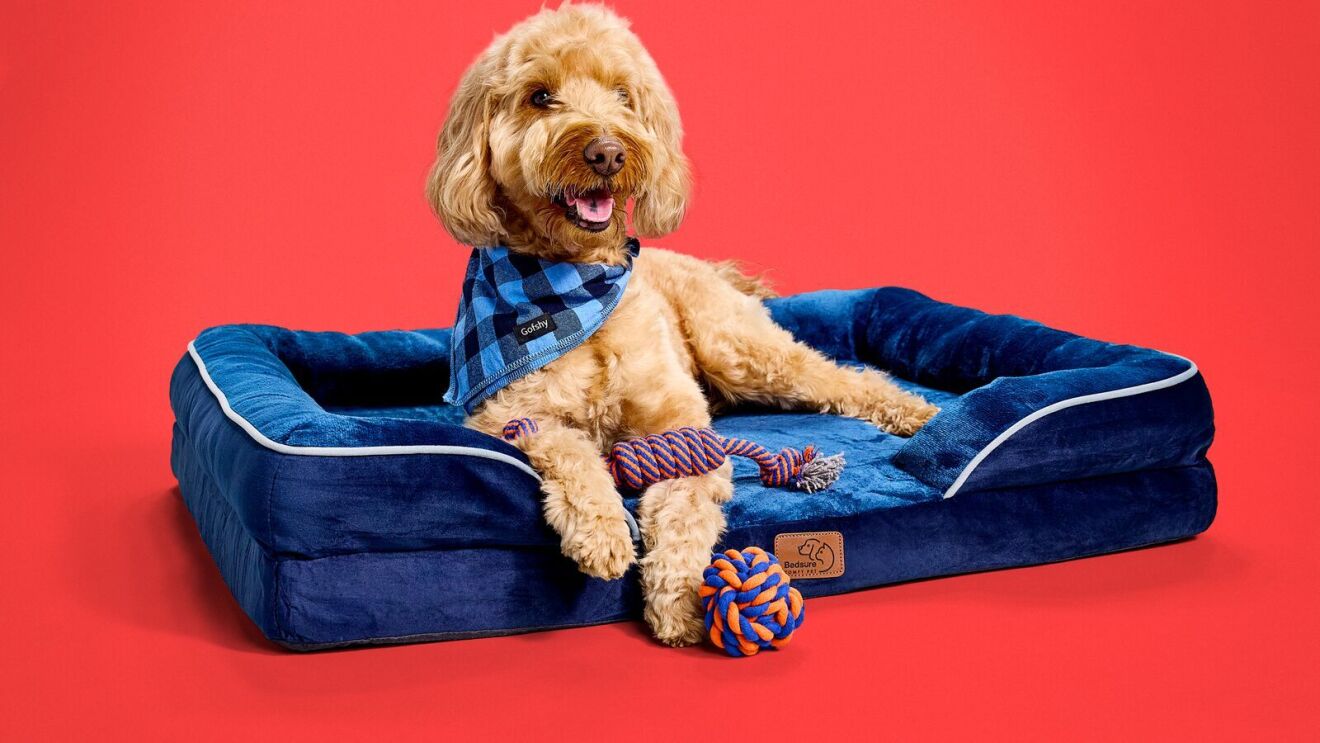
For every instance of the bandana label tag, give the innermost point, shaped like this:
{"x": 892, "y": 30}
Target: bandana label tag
{"x": 534, "y": 328}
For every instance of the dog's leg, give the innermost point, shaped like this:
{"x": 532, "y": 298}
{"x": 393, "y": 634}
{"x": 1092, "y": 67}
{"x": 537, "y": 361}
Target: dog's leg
{"x": 747, "y": 357}
{"x": 581, "y": 503}
{"x": 681, "y": 520}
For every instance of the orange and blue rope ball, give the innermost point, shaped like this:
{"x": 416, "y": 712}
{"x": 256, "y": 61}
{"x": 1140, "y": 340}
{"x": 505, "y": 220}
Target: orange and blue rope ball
{"x": 749, "y": 603}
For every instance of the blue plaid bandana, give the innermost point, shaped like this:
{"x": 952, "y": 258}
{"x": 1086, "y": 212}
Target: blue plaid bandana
{"x": 519, "y": 313}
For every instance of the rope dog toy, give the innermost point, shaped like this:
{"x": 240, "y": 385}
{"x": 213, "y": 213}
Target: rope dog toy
{"x": 748, "y": 602}
{"x": 690, "y": 451}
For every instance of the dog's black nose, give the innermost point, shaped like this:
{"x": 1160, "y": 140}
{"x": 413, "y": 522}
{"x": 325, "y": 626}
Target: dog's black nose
{"x": 604, "y": 155}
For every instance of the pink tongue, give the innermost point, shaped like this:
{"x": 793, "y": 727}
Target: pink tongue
{"x": 593, "y": 208}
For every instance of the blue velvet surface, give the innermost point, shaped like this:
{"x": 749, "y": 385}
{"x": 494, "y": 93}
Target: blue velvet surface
{"x": 327, "y": 550}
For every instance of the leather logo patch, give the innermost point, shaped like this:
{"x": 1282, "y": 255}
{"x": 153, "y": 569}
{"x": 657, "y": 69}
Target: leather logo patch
{"x": 810, "y": 554}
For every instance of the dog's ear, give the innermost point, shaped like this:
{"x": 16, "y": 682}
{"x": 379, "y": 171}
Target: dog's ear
{"x": 460, "y": 188}
{"x": 663, "y": 200}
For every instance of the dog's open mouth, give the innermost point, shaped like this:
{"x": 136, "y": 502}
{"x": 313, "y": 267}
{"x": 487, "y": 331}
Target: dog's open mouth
{"x": 589, "y": 210}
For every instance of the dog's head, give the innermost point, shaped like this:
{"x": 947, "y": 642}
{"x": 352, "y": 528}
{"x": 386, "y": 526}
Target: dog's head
{"x": 553, "y": 129}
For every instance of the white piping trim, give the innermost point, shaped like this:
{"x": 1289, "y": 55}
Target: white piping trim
{"x": 344, "y": 451}
{"x": 1178, "y": 378}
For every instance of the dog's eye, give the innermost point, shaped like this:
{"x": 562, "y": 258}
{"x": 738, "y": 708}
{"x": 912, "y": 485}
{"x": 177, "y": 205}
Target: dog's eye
{"x": 623, "y": 96}
{"x": 541, "y": 98}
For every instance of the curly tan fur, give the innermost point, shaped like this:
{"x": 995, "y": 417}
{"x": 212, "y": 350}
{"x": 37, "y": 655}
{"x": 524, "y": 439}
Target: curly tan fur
{"x": 683, "y": 326}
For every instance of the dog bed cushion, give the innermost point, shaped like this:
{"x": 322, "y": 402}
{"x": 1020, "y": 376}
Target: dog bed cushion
{"x": 345, "y": 503}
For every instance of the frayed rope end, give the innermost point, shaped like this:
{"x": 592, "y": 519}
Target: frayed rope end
{"x": 818, "y": 473}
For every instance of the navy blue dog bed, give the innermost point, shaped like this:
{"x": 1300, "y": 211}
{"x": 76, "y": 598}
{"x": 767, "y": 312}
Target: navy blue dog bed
{"x": 345, "y": 503}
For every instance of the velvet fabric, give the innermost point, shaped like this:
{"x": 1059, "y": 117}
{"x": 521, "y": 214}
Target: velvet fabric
{"x": 329, "y": 550}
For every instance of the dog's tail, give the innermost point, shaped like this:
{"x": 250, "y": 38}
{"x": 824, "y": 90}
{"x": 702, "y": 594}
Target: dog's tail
{"x": 751, "y": 284}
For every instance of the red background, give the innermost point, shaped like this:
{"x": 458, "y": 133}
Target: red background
{"x": 1135, "y": 173}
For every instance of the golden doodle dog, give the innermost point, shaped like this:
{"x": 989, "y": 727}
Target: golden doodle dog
{"x": 554, "y": 128}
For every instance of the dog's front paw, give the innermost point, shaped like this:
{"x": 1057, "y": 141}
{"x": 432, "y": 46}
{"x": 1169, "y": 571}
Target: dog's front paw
{"x": 670, "y": 579}
{"x": 678, "y": 628}
{"x": 602, "y": 546}
{"x": 675, "y": 617}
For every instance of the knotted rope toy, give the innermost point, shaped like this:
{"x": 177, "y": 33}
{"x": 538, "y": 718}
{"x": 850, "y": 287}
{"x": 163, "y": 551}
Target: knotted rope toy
{"x": 689, "y": 451}
{"x": 749, "y": 603}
